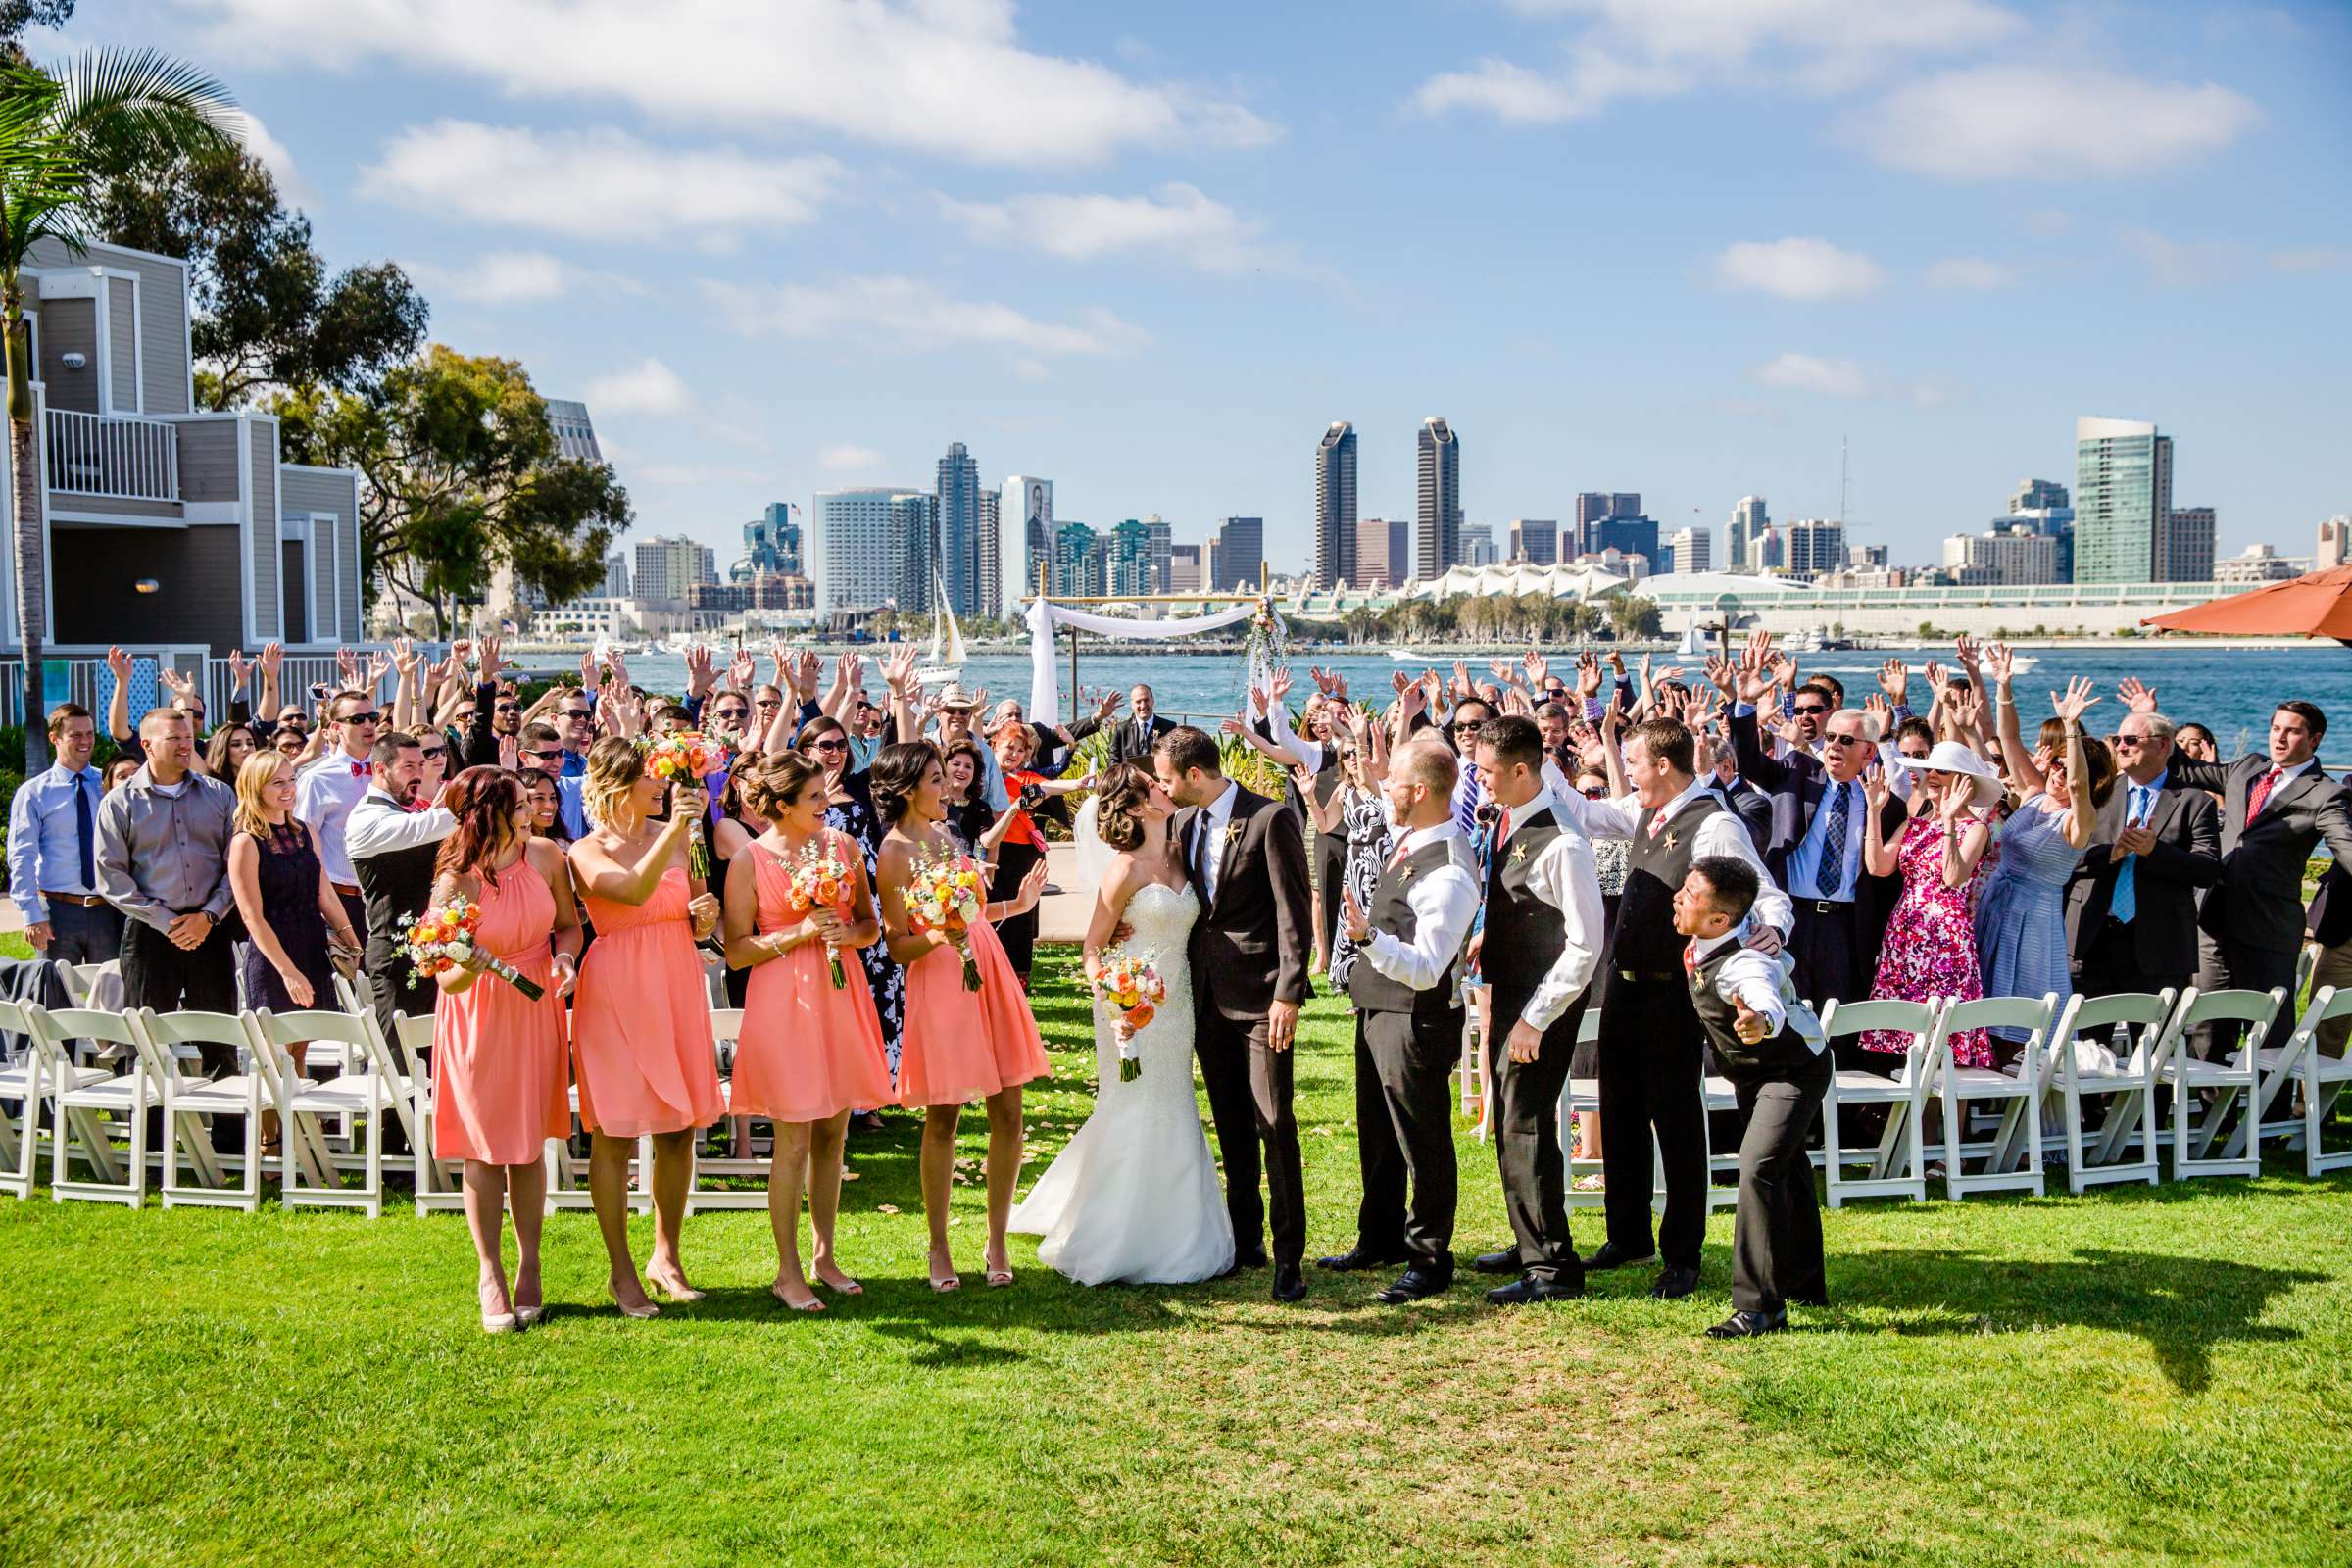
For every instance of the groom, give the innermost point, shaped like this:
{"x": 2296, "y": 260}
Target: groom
{"x": 1247, "y": 857}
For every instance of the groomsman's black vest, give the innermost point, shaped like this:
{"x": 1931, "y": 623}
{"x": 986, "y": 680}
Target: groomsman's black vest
{"x": 1369, "y": 989}
{"x": 1524, "y": 934}
{"x": 1646, "y": 942}
{"x": 394, "y": 885}
{"x": 1780, "y": 1053}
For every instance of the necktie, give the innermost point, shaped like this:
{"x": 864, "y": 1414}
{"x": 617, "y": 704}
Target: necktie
{"x": 1465, "y": 805}
{"x": 2123, "y": 903}
{"x": 1830, "y": 874}
{"x": 2260, "y": 794}
{"x": 1690, "y": 958}
{"x": 1397, "y": 859}
{"x": 83, "y": 831}
{"x": 1657, "y": 823}
{"x": 1502, "y": 829}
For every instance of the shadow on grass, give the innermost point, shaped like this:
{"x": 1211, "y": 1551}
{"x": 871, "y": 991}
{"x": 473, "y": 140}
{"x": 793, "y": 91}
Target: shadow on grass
{"x": 2182, "y": 1306}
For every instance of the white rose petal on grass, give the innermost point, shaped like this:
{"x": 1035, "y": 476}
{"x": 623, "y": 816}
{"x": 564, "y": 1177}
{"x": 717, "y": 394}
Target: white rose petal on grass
{"x": 886, "y": 1209}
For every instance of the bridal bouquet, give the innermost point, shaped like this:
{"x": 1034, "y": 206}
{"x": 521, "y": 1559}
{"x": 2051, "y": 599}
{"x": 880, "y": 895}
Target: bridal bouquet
{"x": 441, "y": 940}
{"x": 688, "y": 754}
{"x": 1134, "y": 988}
{"x": 820, "y": 882}
{"x": 946, "y": 895}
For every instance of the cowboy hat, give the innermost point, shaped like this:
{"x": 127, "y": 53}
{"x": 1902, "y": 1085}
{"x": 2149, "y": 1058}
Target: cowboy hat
{"x": 952, "y": 697}
{"x": 1950, "y": 756}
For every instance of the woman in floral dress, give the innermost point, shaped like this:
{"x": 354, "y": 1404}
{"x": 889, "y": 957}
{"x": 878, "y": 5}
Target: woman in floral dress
{"x": 1945, "y": 853}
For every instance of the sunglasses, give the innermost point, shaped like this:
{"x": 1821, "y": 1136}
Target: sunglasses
{"x": 1595, "y": 793}
{"x": 767, "y": 702}
{"x": 831, "y": 743}
{"x": 361, "y": 718}
{"x": 732, "y": 712}
{"x": 1809, "y": 708}
{"x": 429, "y": 753}
{"x": 556, "y": 755}
{"x": 1844, "y": 740}
{"x": 578, "y": 712}
{"x": 2133, "y": 741}
{"x": 508, "y": 708}
{"x": 297, "y": 726}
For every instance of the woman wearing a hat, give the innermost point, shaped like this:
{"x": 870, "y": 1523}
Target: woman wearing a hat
{"x": 1944, "y": 856}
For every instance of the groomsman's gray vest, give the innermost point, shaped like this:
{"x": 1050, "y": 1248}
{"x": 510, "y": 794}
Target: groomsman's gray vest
{"x": 1782, "y": 1052}
{"x": 1369, "y": 989}
{"x": 1524, "y": 934}
{"x": 1646, "y": 942}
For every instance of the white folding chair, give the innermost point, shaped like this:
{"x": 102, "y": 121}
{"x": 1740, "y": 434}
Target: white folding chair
{"x": 2104, "y": 1048}
{"x": 440, "y": 1183}
{"x": 33, "y": 1084}
{"x": 188, "y": 1101}
{"x": 726, "y": 1027}
{"x": 2301, "y": 1064}
{"x": 2234, "y": 1080}
{"x": 1898, "y": 1165}
{"x": 1584, "y": 1095}
{"x": 1720, "y": 1099}
{"x": 360, "y": 1099}
{"x": 2009, "y": 1163}
{"x": 114, "y": 1177}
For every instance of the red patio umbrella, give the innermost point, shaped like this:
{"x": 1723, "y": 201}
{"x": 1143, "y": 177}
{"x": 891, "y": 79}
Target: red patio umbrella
{"x": 2317, "y": 603}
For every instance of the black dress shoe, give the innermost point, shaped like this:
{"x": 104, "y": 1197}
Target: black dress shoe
{"x": 1673, "y": 1283}
{"x": 1611, "y": 1255}
{"x": 1249, "y": 1257}
{"x": 1522, "y": 1290}
{"x": 1356, "y": 1257}
{"x": 1290, "y": 1285}
{"x": 1413, "y": 1285}
{"x": 1745, "y": 1325}
{"x": 1506, "y": 1261}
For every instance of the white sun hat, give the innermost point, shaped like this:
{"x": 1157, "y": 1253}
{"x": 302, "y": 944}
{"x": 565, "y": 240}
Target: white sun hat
{"x": 1950, "y": 756}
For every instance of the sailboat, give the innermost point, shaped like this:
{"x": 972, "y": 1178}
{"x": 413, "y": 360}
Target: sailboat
{"x": 947, "y": 640}
{"x": 1696, "y": 643}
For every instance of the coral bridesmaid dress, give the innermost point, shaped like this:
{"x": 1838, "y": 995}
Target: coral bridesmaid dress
{"x": 809, "y": 1051}
{"x": 499, "y": 1067}
{"x": 641, "y": 1019}
{"x": 960, "y": 1045}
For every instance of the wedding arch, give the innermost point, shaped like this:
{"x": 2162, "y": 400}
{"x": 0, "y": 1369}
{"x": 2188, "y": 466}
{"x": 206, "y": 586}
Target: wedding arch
{"x": 1047, "y": 617}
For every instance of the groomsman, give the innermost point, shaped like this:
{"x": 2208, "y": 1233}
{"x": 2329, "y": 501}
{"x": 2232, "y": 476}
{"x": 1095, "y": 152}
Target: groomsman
{"x": 1649, "y": 1038}
{"x": 1538, "y": 951}
{"x": 1769, "y": 1045}
{"x": 1405, "y": 985}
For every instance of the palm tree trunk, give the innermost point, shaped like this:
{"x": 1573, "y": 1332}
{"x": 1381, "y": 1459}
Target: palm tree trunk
{"x": 24, "y": 505}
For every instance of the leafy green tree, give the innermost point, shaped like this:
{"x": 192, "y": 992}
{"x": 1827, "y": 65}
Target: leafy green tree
{"x": 58, "y": 134}
{"x": 267, "y": 315}
{"x": 461, "y": 476}
{"x": 1632, "y": 615}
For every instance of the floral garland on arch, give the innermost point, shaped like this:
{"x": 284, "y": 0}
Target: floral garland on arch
{"x": 1265, "y": 645}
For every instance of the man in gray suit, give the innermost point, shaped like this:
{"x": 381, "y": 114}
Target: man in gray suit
{"x": 2276, "y": 808}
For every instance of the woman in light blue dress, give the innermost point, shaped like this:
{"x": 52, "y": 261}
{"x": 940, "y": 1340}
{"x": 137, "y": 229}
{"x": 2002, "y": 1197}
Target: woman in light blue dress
{"x": 2020, "y": 920}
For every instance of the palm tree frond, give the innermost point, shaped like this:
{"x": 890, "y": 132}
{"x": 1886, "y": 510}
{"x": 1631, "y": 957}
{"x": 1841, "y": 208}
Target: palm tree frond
{"x": 109, "y": 97}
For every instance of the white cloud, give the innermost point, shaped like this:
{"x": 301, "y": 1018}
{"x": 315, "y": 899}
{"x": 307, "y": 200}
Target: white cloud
{"x": 906, "y": 313}
{"x": 649, "y": 387}
{"x": 1652, "y": 48}
{"x": 2311, "y": 259}
{"x": 597, "y": 183}
{"x": 2171, "y": 263}
{"x": 517, "y": 278}
{"x": 944, "y": 77}
{"x": 1176, "y": 218}
{"x": 1969, "y": 272}
{"x": 1848, "y": 378}
{"x": 1026, "y": 370}
{"x": 278, "y": 158}
{"x": 1805, "y": 372}
{"x": 1798, "y": 269}
{"x": 1999, "y": 121}
{"x": 844, "y": 457}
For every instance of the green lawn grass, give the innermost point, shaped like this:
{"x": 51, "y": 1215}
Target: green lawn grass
{"x": 2134, "y": 1377}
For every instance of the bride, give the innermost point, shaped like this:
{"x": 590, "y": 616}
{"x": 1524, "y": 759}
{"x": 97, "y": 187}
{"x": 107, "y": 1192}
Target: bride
{"x": 1134, "y": 1196}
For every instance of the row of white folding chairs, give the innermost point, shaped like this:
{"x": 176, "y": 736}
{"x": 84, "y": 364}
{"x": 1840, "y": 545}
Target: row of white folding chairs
{"x": 84, "y": 1106}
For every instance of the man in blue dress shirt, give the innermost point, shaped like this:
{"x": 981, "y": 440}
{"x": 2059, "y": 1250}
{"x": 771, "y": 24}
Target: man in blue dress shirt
{"x": 53, "y": 849}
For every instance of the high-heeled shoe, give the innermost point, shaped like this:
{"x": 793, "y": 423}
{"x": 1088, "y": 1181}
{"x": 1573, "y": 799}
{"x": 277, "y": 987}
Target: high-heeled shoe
{"x": 847, "y": 1287}
{"x": 813, "y": 1304}
{"x": 498, "y": 1322}
{"x": 679, "y": 1291}
{"x": 525, "y": 1316}
{"x": 648, "y": 1310}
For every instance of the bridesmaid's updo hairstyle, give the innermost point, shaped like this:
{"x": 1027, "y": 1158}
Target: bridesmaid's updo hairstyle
{"x": 776, "y": 782}
{"x": 897, "y": 773}
{"x": 1119, "y": 803}
{"x": 614, "y": 766}
{"x": 483, "y": 800}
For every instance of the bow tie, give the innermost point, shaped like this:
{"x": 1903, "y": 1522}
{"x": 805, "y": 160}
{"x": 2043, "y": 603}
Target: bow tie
{"x": 362, "y": 769}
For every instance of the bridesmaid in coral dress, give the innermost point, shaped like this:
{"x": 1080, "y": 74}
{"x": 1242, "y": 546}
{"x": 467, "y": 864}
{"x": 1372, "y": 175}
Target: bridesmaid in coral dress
{"x": 958, "y": 1044}
{"x": 641, "y": 1025}
{"x": 499, "y": 1066}
{"x": 810, "y": 1051}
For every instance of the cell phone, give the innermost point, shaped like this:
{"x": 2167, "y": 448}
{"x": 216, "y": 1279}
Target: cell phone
{"x": 320, "y": 691}
{"x": 1031, "y": 797}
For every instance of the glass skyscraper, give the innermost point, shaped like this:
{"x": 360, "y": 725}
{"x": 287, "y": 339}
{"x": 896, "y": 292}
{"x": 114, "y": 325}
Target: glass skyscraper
{"x": 959, "y": 499}
{"x": 1335, "y": 507}
{"x": 1439, "y": 452}
{"x": 2122, "y": 499}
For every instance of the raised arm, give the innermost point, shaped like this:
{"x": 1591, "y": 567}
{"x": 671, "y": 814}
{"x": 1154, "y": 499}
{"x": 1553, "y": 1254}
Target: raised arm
{"x": 2023, "y": 769}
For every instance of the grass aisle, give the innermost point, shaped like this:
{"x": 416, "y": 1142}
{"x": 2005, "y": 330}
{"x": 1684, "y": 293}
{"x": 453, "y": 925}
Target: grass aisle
{"x": 2129, "y": 1378}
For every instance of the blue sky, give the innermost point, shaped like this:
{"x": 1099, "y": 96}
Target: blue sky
{"x": 1674, "y": 246}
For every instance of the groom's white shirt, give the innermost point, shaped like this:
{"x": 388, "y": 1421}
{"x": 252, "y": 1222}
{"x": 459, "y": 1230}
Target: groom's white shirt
{"x": 1210, "y": 831}
{"x": 1444, "y": 903}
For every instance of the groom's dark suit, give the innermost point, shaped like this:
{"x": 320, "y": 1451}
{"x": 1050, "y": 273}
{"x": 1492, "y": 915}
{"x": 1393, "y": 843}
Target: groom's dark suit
{"x": 1249, "y": 950}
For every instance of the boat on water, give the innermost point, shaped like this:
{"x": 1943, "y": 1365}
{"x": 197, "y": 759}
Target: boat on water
{"x": 947, "y": 640}
{"x": 1407, "y": 653}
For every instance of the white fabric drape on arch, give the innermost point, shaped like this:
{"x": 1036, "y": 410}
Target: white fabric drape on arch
{"x": 1045, "y": 616}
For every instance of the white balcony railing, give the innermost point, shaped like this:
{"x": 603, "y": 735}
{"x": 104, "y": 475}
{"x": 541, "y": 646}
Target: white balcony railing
{"x": 133, "y": 460}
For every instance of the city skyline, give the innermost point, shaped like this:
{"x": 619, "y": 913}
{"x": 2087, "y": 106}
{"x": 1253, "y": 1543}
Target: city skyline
{"x": 1840, "y": 228}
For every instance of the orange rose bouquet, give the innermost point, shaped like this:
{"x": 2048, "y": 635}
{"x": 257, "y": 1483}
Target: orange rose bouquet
{"x": 819, "y": 881}
{"x": 1133, "y": 989}
{"x": 443, "y": 939}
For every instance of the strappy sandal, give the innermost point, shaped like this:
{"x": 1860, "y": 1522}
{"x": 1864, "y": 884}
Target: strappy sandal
{"x": 943, "y": 1285}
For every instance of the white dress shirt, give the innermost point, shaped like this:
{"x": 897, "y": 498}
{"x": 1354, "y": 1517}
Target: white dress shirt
{"x": 1209, "y": 842}
{"x": 1562, "y": 876}
{"x": 379, "y": 824}
{"x": 324, "y": 795}
{"x": 1444, "y": 903}
{"x": 1722, "y": 833}
{"x": 1758, "y": 979}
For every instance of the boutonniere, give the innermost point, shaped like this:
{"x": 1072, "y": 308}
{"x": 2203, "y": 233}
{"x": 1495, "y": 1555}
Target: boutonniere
{"x": 1517, "y": 855}
{"x": 1671, "y": 841}
{"x": 1405, "y": 877}
{"x": 1233, "y": 833}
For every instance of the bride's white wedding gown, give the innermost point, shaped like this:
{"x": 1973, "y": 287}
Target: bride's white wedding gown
{"x": 1134, "y": 1196}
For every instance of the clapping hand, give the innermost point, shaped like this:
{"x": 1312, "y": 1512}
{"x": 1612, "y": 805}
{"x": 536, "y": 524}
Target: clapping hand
{"x": 2136, "y": 838}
